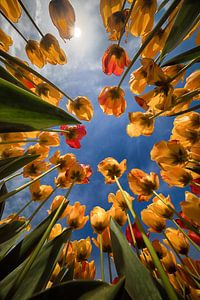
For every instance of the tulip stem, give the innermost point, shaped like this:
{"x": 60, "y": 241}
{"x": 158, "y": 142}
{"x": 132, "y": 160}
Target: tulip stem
{"x": 55, "y": 130}
{"x": 69, "y": 189}
{"x": 37, "y": 249}
{"x": 101, "y": 258}
{"x": 169, "y": 289}
{"x": 192, "y": 265}
{"x": 11, "y": 177}
{"x": 18, "y": 141}
{"x": 127, "y": 18}
{"x": 109, "y": 267}
{"x": 22, "y": 187}
{"x": 23, "y": 208}
{"x": 177, "y": 214}
{"x": 133, "y": 236}
{"x": 185, "y": 234}
{"x": 183, "y": 69}
{"x": 41, "y": 205}
{"x": 31, "y": 19}
{"x": 150, "y": 36}
{"x": 195, "y": 183}
{"x": 27, "y": 68}
{"x": 14, "y": 27}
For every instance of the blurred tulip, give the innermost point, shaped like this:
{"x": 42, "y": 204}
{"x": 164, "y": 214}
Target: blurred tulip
{"x": 11, "y": 9}
{"x": 5, "y": 40}
{"x": 63, "y": 17}
{"x": 112, "y": 101}
{"x": 40, "y": 192}
{"x": 49, "y": 139}
{"x": 110, "y": 168}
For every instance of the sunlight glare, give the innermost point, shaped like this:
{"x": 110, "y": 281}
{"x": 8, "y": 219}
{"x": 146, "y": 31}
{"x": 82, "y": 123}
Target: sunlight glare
{"x": 77, "y": 32}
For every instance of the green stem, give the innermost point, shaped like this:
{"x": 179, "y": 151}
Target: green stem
{"x": 23, "y": 208}
{"x": 195, "y": 183}
{"x": 194, "y": 161}
{"x": 41, "y": 205}
{"x": 169, "y": 289}
{"x": 150, "y": 36}
{"x": 31, "y": 19}
{"x": 56, "y": 130}
{"x": 127, "y": 18}
{"x": 177, "y": 214}
{"x": 37, "y": 248}
{"x": 101, "y": 258}
{"x": 133, "y": 236}
{"x": 6, "y": 196}
{"x": 109, "y": 267}
{"x": 18, "y": 141}
{"x": 193, "y": 108}
{"x": 10, "y": 177}
{"x": 27, "y": 68}
{"x": 183, "y": 69}
{"x": 14, "y": 27}
{"x": 185, "y": 234}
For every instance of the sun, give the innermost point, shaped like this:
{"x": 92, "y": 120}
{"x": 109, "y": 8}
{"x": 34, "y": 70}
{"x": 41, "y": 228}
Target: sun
{"x": 77, "y": 32}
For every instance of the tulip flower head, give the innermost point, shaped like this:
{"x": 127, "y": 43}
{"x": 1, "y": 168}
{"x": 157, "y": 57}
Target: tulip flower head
{"x": 73, "y": 135}
{"x": 110, "y": 168}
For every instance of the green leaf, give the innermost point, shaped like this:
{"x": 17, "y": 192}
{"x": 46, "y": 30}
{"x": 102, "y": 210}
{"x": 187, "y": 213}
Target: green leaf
{"x": 23, "y": 111}
{"x": 9, "y": 234}
{"x": 24, "y": 248}
{"x": 3, "y": 191}
{"x": 15, "y": 164}
{"x": 69, "y": 274}
{"x": 4, "y": 74}
{"x": 127, "y": 264}
{"x": 189, "y": 55}
{"x": 83, "y": 290}
{"x": 186, "y": 19}
{"x": 39, "y": 274}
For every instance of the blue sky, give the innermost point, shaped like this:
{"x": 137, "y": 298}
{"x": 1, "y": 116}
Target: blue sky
{"x": 106, "y": 135}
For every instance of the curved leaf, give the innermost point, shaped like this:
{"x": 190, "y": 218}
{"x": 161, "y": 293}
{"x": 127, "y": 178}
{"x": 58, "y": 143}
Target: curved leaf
{"x": 23, "y": 249}
{"x": 186, "y": 19}
{"x": 15, "y": 164}
{"x": 38, "y": 275}
{"x": 3, "y": 191}
{"x": 191, "y": 54}
{"x": 83, "y": 290}
{"x": 23, "y": 111}
{"x": 128, "y": 265}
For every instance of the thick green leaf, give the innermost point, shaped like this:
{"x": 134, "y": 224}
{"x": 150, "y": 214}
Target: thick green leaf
{"x": 38, "y": 275}
{"x": 16, "y": 164}
{"x": 83, "y": 290}
{"x": 23, "y": 249}
{"x": 4, "y": 74}
{"x": 3, "y": 191}
{"x": 9, "y": 234}
{"x": 186, "y": 19}
{"x": 127, "y": 264}
{"x": 189, "y": 55}
{"x": 23, "y": 111}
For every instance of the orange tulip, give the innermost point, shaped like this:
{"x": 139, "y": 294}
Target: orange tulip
{"x": 176, "y": 176}
{"x": 75, "y": 215}
{"x": 63, "y": 17}
{"x": 35, "y": 54}
{"x": 142, "y": 22}
{"x": 81, "y": 107}
{"x": 143, "y": 184}
{"x": 162, "y": 209}
{"x": 49, "y": 139}
{"x": 110, "y": 168}
{"x": 119, "y": 201}
{"x": 152, "y": 220}
{"x": 160, "y": 249}
{"x": 43, "y": 151}
{"x": 115, "y": 24}
{"x": 192, "y": 81}
{"x": 40, "y": 192}
{"x": 155, "y": 45}
{"x": 61, "y": 181}
{"x": 178, "y": 240}
{"x": 171, "y": 71}
{"x": 106, "y": 240}
{"x": 56, "y": 203}
{"x": 170, "y": 153}
{"x": 35, "y": 168}
{"x": 108, "y": 7}
{"x": 118, "y": 215}
{"x": 55, "y": 231}
{"x": 114, "y": 60}
{"x": 83, "y": 249}
{"x": 169, "y": 262}
{"x": 79, "y": 173}
{"x": 99, "y": 219}
{"x": 66, "y": 161}
{"x": 11, "y": 9}
{"x": 5, "y": 41}
{"x": 146, "y": 259}
{"x": 84, "y": 270}
{"x": 191, "y": 207}
{"x": 11, "y": 151}
{"x": 111, "y": 101}
{"x": 140, "y": 124}
{"x": 48, "y": 93}
{"x": 52, "y": 51}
